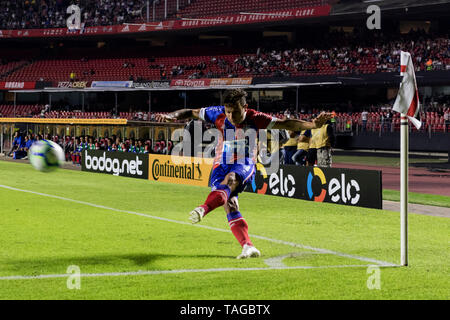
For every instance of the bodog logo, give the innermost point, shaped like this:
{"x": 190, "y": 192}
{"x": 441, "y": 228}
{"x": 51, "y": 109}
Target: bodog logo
{"x": 278, "y": 183}
{"x": 334, "y": 187}
{"x": 113, "y": 165}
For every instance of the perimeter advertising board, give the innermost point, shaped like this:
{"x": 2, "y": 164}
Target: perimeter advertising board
{"x": 180, "y": 170}
{"x": 125, "y": 164}
{"x": 360, "y": 188}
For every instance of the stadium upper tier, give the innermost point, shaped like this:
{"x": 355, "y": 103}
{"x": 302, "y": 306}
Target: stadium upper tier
{"x": 205, "y": 8}
{"x": 428, "y": 52}
{"x": 435, "y": 121}
{"x": 52, "y": 13}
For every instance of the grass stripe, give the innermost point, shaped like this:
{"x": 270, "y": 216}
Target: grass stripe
{"x": 292, "y": 244}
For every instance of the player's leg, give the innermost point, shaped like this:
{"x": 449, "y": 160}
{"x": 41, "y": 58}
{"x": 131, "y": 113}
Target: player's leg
{"x": 223, "y": 183}
{"x": 243, "y": 174}
{"x": 239, "y": 228}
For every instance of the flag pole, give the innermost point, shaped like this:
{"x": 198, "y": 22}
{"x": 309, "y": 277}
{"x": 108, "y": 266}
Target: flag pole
{"x": 404, "y": 144}
{"x": 408, "y": 105}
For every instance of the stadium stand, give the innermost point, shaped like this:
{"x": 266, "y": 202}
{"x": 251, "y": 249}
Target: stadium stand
{"x": 206, "y": 8}
{"x": 436, "y": 120}
{"x": 51, "y": 13}
{"x": 20, "y": 110}
{"x": 430, "y": 52}
{"x": 74, "y": 146}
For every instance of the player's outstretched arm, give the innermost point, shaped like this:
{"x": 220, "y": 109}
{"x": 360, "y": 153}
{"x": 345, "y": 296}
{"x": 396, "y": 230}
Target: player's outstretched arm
{"x": 299, "y": 125}
{"x": 183, "y": 114}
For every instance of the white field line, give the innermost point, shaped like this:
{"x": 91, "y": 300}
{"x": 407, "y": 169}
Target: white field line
{"x": 157, "y": 272}
{"x": 278, "y": 261}
{"x": 292, "y": 244}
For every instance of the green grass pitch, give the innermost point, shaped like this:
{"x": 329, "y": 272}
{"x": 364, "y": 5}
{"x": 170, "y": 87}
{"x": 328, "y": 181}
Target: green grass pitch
{"x": 132, "y": 239}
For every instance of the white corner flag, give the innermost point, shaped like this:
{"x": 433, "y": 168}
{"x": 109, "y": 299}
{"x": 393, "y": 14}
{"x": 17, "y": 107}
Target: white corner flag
{"x": 407, "y": 103}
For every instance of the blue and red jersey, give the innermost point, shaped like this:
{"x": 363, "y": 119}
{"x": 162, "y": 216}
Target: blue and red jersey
{"x": 237, "y": 143}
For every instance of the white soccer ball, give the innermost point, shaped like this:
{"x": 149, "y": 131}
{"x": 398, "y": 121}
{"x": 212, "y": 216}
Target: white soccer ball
{"x": 45, "y": 155}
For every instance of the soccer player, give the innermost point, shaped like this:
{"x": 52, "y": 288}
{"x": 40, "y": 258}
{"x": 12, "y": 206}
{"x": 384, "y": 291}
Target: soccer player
{"x": 229, "y": 179}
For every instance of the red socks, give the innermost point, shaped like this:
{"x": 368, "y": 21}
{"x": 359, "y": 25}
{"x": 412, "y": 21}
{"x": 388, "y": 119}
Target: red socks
{"x": 239, "y": 227}
{"x": 217, "y": 198}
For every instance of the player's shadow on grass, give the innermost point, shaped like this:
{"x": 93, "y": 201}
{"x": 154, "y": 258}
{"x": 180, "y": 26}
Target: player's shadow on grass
{"x": 40, "y": 265}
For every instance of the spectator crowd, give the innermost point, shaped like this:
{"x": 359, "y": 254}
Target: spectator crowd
{"x": 52, "y": 13}
{"x": 338, "y": 53}
{"x": 344, "y": 53}
{"x": 377, "y": 117}
{"x": 74, "y": 146}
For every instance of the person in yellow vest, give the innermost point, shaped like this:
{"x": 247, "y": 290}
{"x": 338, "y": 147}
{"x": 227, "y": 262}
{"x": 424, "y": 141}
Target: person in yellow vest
{"x": 299, "y": 158}
{"x": 271, "y": 150}
{"x": 324, "y": 141}
{"x": 72, "y": 76}
{"x": 290, "y": 147}
{"x": 311, "y": 156}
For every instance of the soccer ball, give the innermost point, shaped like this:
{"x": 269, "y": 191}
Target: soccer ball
{"x": 45, "y": 155}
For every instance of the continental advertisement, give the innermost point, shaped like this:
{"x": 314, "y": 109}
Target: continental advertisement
{"x": 360, "y": 188}
{"x": 179, "y": 170}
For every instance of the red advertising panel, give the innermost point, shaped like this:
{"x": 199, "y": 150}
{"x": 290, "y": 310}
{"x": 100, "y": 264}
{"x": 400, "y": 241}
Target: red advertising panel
{"x": 230, "y": 81}
{"x": 17, "y": 85}
{"x": 253, "y": 17}
{"x": 198, "y": 83}
{"x": 183, "y": 23}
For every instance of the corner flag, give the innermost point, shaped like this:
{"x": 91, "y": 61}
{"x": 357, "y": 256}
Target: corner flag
{"x": 407, "y": 101}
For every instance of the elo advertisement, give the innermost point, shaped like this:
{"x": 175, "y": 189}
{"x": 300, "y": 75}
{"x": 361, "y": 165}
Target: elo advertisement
{"x": 360, "y": 188}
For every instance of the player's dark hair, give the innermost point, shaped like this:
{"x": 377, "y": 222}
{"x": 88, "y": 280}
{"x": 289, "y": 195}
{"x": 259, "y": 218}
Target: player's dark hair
{"x": 234, "y": 96}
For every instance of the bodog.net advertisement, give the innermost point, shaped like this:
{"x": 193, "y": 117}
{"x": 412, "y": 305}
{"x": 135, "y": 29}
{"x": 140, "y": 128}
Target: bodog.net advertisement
{"x": 117, "y": 163}
{"x": 360, "y": 188}
{"x": 180, "y": 170}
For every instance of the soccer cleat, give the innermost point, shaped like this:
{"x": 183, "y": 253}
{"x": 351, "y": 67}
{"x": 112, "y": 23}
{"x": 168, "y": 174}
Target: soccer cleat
{"x": 197, "y": 215}
{"x": 249, "y": 252}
